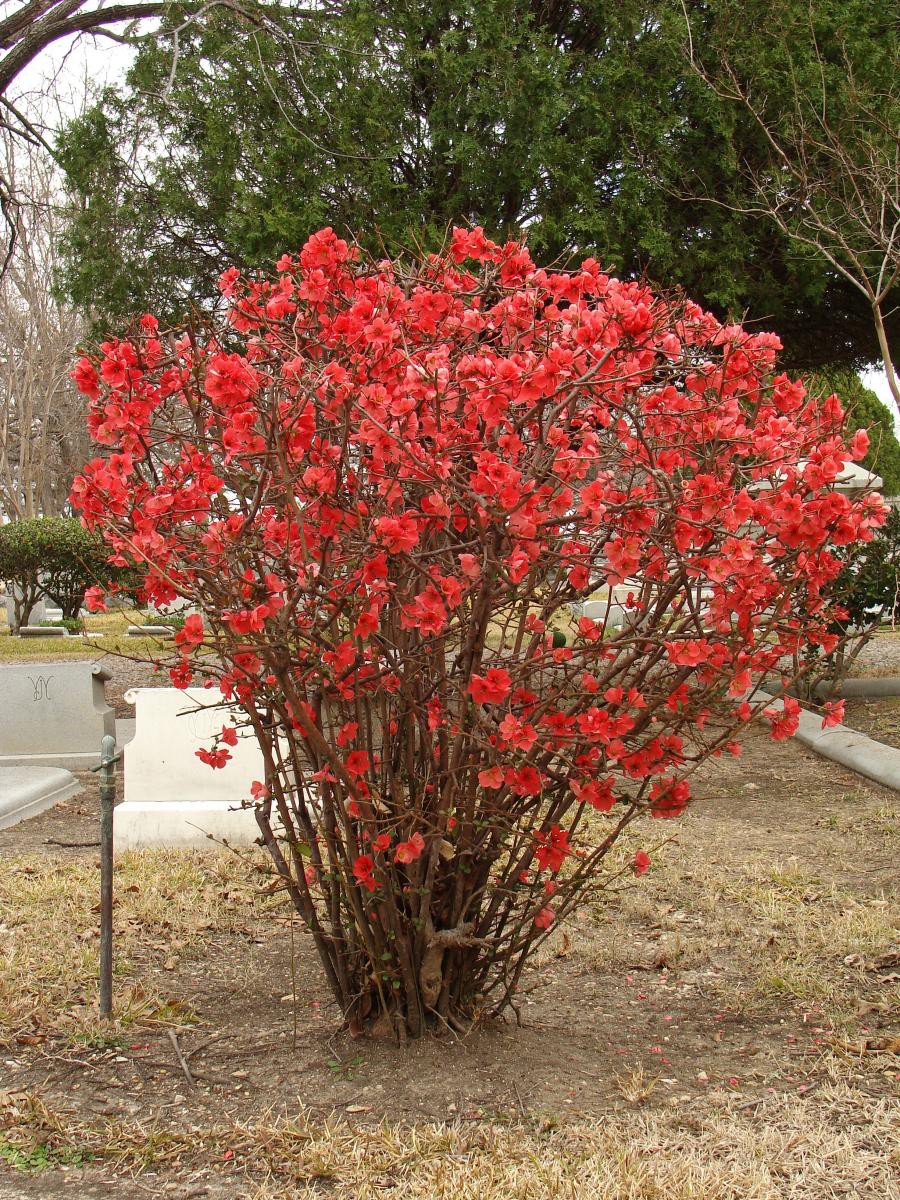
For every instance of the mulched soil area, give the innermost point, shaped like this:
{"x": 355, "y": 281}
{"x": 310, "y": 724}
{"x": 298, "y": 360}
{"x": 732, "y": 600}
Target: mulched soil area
{"x": 127, "y": 674}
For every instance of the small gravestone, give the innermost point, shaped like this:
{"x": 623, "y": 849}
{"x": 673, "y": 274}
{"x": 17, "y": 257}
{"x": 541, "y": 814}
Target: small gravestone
{"x": 37, "y": 612}
{"x": 42, "y": 631}
{"x": 151, "y": 631}
{"x": 27, "y": 791}
{"x": 54, "y": 714}
{"x": 171, "y": 797}
{"x": 604, "y": 610}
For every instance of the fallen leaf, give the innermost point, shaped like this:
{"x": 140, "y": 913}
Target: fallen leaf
{"x": 869, "y": 1045}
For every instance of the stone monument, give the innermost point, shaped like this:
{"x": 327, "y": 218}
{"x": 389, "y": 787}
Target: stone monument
{"x": 27, "y": 791}
{"x": 172, "y": 798}
{"x": 54, "y": 714}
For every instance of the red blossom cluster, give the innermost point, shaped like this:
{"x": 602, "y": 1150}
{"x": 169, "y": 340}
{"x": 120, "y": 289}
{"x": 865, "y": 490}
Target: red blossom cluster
{"x": 385, "y": 486}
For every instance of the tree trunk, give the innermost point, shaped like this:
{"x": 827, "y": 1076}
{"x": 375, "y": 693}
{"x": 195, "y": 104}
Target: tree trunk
{"x": 886, "y": 354}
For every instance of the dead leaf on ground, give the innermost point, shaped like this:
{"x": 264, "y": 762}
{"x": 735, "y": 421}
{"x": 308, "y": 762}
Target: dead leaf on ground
{"x": 564, "y": 948}
{"x": 868, "y": 1045}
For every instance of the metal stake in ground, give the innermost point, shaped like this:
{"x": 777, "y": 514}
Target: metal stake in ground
{"x": 107, "y": 769}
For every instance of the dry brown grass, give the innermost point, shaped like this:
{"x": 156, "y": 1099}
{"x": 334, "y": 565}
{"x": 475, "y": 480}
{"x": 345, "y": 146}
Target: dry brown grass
{"x": 167, "y": 903}
{"x": 836, "y": 1144}
{"x": 764, "y": 933}
{"x": 757, "y": 932}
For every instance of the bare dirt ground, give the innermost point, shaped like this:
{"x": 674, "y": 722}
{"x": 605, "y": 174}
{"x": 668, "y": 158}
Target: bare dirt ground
{"x": 745, "y": 990}
{"x": 877, "y": 718}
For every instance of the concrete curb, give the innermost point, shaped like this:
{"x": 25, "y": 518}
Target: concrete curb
{"x": 845, "y": 746}
{"x": 861, "y": 687}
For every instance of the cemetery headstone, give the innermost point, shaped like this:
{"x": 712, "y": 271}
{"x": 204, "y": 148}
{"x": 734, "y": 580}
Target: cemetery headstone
{"x": 37, "y": 612}
{"x": 54, "y": 714}
{"x": 171, "y": 797}
{"x": 27, "y": 791}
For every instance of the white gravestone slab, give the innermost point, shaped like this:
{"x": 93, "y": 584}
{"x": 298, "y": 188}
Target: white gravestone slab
{"x": 172, "y": 798}
{"x": 41, "y": 610}
{"x": 54, "y": 714}
{"x": 27, "y": 791}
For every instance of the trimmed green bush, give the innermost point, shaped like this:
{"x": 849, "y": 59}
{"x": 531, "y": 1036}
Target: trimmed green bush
{"x": 70, "y": 624}
{"x": 51, "y": 556}
{"x": 872, "y": 577}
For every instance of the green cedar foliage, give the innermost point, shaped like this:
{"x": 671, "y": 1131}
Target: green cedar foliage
{"x": 580, "y": 123}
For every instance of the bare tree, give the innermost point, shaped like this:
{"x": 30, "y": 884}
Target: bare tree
{"x": 43, "y": 440}
{"x": 831, "y": 181}
{"x": 30, "y": 27}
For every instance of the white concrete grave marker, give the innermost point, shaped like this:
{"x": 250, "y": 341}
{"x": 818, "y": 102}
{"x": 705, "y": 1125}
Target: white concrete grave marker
{"x": 27, "y": 791}
{"x": 172, "y": 798}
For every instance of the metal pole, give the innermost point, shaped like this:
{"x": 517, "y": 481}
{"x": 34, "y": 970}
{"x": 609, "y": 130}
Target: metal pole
{"x": 108, "y": 759}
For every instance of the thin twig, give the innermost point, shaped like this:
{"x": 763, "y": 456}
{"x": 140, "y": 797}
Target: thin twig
{"x": 182, "y": 1061}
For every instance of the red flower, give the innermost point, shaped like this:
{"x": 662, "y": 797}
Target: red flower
{"x": 784, "y": 724}
{"x": 347, "y": 734}
{"x": 490, "y": 688}
{"x": 641, "y": 862}
{"x": 624, "y": 556}
{"x": 859, "y": 445}
{"x": 95, "y": 599}
{"x": 357, "y": 763}
{"x": 526, "y": 781}
{"x": 407, "y": 852}
{"x": 518, "y": 733}
{"x": 426, "y": 613}
{"x": 230, "y": 380}
{"x": 552, "y": 849}
{"x": 214, "y": 758}
{"x": 191, "y": 633}
{"x": 229, "y": 735}
{"x": 367, "y": 624}
{"x": 545, "y": 917}
{"x": 491, "y": 777}
{"x": 363, "y": 872}
{"x": 834, "y": 713}
{"x": 375, "y": 569}
{"x": 470, "y": 565}
{"x": 398, "y": 535}
{"x": 85, "y": 378}
{"x": 669, "y": 798}
{"x": 598, "y": 793}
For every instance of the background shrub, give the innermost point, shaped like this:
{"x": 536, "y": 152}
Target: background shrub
{"x": 51, "y": 556}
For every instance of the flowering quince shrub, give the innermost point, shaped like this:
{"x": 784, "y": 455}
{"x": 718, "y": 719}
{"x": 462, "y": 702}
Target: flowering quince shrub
{"x": 380, "y": 484}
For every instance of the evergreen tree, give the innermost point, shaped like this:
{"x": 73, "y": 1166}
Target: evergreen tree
{"x": 578, "y": 123}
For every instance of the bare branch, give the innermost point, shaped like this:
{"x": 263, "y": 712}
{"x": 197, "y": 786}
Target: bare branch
{"x": 831, "y": 182}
